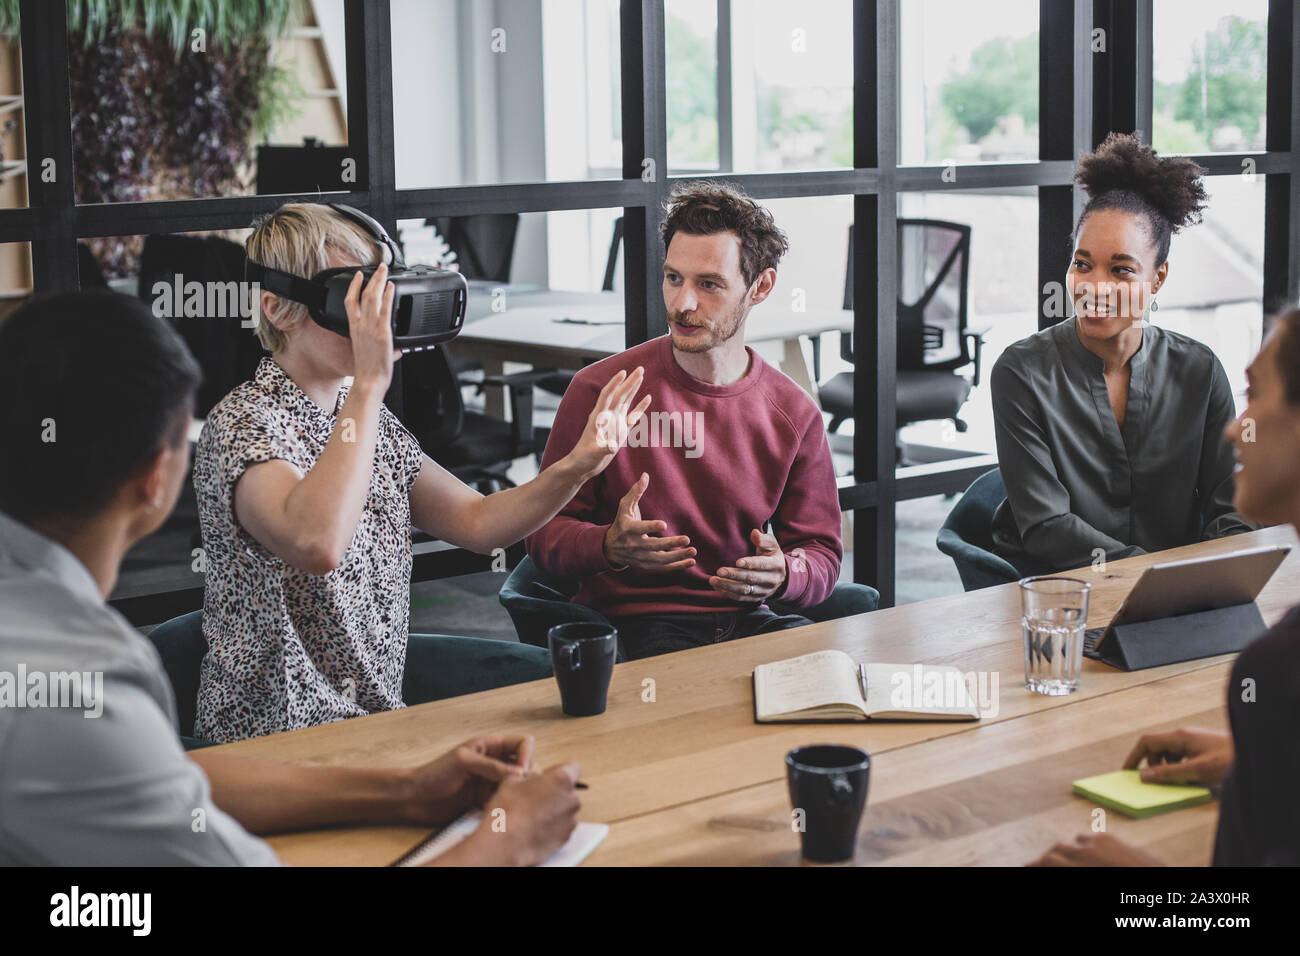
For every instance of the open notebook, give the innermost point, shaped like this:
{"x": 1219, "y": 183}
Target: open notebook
{"x": 829, "y": 686}
{"x": 585, "y": 838}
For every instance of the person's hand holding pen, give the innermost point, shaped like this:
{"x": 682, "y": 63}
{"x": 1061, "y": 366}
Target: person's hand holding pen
{"x": 528, "y": 812}
{"x": 466, "y": 776}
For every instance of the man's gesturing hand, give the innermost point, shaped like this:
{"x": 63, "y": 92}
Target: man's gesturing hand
{"x": 754, "y": 579}
{"x": 633, "y": 543}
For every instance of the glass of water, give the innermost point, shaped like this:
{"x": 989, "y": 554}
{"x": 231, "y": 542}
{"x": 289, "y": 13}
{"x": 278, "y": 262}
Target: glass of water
{"x": 1054, "y": 615}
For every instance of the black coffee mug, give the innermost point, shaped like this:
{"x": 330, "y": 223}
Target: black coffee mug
{"x": 582, "y": 654}
{"x": 828, "y": 783}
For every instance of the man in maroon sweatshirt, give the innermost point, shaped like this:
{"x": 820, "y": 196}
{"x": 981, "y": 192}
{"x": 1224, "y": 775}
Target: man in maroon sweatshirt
{"x": 669, "y": 542}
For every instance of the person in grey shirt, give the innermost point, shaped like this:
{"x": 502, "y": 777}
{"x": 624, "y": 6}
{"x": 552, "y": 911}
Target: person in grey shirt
{"x": 95, "y": 395}
{"x": 1110, "y": 430}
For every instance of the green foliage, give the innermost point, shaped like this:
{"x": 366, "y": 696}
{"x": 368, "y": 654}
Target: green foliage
{"x": 1227, "y": 84}
{"x": 1170, "y": 135}
{"x": 223, "y": 21}
{"x": 842, "y": 141}
{"x": 1002, "y": 80}
{"x": 692, "y": 101}
{"x": 281, "y": 92}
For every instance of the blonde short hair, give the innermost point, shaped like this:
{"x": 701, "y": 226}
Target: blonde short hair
{"x": 299, "y": 238}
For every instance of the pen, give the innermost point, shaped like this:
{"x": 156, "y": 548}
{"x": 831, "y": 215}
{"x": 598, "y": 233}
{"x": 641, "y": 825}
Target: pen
{"x": 580, "y": 786}
{"x": 862, "y": 680}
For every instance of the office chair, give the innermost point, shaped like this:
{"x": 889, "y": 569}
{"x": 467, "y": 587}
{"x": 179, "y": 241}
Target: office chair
{"x": 90, "y": 275}
{"x": 484, "y": 244}
{"x": 934, "y": 277}
{"x": 967, "y": 535}
{"x": 537, "y": 601}
{"x": 226, "y": 351}
{"x": 476, "y": 448}
{"x": 182, "y": 646}
{"x": 611, "y": 260}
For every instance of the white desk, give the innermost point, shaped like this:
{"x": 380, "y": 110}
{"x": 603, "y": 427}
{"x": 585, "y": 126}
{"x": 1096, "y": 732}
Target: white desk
{"x": 528, "y": 330}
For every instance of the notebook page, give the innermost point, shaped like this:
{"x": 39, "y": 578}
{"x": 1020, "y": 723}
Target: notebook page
{"x": 585, "y": 838}
{"x": 917, "y": 688}
{"x": 812, "y": 680}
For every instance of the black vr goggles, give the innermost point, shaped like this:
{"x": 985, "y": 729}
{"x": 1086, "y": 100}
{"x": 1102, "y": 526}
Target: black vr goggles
{"x": 428, "y": 303}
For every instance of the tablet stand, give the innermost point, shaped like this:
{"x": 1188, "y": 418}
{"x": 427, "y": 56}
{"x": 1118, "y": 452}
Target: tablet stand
{"x": 1185, "y": 637}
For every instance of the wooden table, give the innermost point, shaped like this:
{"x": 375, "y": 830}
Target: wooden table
{"x": 689, "y": 778}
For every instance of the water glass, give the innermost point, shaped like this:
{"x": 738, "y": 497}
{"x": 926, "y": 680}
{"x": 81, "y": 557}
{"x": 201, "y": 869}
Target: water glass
{"x": 1054, "y": 616}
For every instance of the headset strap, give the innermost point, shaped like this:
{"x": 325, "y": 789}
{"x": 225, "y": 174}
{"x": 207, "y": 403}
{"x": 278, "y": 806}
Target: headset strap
{"x": 377, "y": 232}
{"x": 310, "y": 294}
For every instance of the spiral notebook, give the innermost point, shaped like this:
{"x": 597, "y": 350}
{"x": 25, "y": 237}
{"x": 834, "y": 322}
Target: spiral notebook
{"x": 585, "y": 838}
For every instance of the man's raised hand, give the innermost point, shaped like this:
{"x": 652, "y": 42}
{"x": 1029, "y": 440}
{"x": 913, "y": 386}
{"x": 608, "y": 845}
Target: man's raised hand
{"x": 631, "y": 542}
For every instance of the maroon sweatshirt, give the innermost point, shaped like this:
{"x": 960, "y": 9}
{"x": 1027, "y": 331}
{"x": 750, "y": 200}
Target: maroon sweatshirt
{"x": 722, "y": 460}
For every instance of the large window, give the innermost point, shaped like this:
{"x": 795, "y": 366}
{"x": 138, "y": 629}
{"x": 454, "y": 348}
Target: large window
{"x": 968, "y": 81}
{"x": 1214, "y": 292}
{"x": 1210, "y": 74}
{"x": 782, "y": 98}
{"x": 514, "y": 92}
{"x": 576, "y": 115}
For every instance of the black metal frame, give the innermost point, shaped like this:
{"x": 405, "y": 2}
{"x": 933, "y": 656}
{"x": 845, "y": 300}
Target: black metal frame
{"x": 1102, "y": 92}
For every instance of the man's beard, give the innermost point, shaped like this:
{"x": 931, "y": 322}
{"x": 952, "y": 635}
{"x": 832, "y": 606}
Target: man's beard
{"x": 712, "y": 336}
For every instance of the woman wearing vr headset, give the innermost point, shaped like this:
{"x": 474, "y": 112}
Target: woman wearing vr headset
{"x": 307, "y": 490}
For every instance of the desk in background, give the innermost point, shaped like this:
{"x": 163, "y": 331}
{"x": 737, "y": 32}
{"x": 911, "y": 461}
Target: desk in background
{"x": 527, "y": 331}
{"x": 691, "y": 779}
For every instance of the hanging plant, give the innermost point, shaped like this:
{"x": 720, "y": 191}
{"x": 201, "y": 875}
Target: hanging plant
{"x": 153, "y": 118}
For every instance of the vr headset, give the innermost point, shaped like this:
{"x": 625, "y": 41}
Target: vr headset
{"x": 428, "y": 303}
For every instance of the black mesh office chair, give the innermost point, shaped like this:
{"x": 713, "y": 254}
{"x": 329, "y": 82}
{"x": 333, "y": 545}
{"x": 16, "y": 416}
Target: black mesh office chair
{"x": 91, "y": 276}
{"x": 484, "y": 244}
{"x": 476, "y": 448}
{"x": 615, "y": 242}
{"x": 933, "y": 337}
{"x": 226, "y": 351}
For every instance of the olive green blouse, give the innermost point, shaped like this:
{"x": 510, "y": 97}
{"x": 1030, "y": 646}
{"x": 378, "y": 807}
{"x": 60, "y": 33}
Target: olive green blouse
{"x": 1078, "y": 483}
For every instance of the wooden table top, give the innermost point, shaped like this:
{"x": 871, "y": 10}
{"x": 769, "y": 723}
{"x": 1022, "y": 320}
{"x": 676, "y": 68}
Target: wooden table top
{"x": 684, "y": 775}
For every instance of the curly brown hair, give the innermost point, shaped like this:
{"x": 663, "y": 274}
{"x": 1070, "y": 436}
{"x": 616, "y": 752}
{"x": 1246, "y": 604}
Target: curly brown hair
{"x": 1123, "y": 174}
{"x": 703, "y": 208}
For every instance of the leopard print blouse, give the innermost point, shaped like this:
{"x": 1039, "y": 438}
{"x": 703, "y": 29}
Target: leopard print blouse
{"x": 287, "y": 648}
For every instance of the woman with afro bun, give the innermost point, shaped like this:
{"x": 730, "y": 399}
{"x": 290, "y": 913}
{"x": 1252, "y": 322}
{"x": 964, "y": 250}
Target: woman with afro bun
{"x": 1109, "y": 429}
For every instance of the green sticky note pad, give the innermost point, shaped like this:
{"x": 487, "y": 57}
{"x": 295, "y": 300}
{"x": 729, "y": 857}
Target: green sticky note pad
{"x": 1124, "y": 792}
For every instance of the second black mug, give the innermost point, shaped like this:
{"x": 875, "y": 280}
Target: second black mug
{"x": 582, "y": 654}
{"x": 828, "y": 789}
